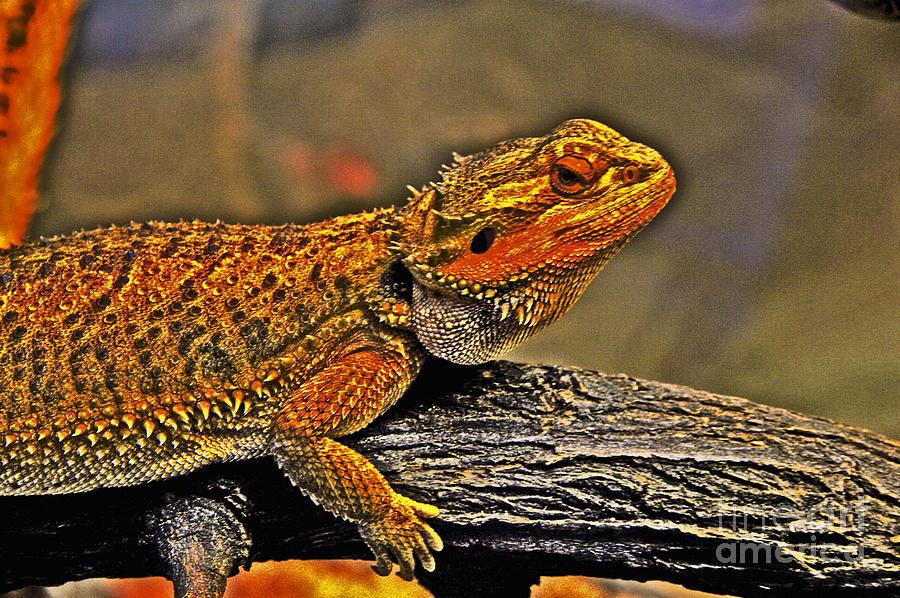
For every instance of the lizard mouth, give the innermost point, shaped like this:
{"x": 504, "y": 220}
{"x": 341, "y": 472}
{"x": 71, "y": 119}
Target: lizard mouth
{"x": 434, "y": 280}
{"x": 504, "y": 298}
{"x": 513, "y": 305}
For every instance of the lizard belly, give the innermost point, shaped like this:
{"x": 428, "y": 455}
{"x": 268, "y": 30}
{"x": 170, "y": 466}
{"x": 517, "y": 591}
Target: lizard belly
{"x": 60, "y": 469}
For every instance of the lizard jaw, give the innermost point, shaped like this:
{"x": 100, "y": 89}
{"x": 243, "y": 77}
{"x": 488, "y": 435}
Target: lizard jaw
{"x": 468, "y": 330}
{"x": 432, "y": 278}
{"x": 457, "y": 328}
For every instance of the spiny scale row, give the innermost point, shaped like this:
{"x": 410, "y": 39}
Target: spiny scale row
{"x": 391, "y": 311}
{"x": 217, "y": 405}
{"x": 461, "y": 285}
{"x": 527, "y": 308}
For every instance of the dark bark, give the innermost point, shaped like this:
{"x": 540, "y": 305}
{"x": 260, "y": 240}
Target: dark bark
{"x": 537, "y": 471}
{"x": 876, "y": 9}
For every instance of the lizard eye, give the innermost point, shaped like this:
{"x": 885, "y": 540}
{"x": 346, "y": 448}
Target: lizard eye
{"x": 483, "y": 240}
{"x": 573, "y": 174}
{"x": 566, "y": 177}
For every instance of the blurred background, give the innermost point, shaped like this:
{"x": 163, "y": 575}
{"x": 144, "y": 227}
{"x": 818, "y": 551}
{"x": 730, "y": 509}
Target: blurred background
{"x": 773, "y": 274}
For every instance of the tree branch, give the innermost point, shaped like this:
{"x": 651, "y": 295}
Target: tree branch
{"x": 543, "y": 470}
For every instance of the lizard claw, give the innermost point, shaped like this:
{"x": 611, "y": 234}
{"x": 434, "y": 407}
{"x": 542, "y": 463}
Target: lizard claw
{"x": 399, "y": 536}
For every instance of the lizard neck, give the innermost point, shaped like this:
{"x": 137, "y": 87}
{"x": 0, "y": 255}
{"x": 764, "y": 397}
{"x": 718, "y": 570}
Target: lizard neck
{"x": 471, "y": 330}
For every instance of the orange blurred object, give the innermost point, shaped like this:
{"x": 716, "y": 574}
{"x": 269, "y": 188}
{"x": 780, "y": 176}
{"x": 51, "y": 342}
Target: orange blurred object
{"x": 36, "y": 32}
{"x": 319, "y": 579}
{"x": 352, "y": 579}
{"x": 342, "y": 170}
{"x": 289, "y": 579}
{"x": 350, "y": 173}
{"x": 150, "y": 587}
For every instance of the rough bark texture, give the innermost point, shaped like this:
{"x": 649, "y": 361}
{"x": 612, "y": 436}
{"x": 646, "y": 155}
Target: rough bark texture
{"x": 537, "y": 471}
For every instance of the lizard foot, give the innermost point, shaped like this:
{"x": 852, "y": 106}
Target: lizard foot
{"x": 398, "y": 535}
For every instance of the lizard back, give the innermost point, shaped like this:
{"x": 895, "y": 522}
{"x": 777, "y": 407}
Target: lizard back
{"x": 156, "y": 348}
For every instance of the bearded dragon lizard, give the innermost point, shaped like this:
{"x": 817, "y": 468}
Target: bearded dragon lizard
{"x": 131, "y": 354}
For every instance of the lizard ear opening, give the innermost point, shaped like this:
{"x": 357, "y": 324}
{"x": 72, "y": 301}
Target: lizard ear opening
{"x": 396, "y": 282}
{"x": 483, "y": 240}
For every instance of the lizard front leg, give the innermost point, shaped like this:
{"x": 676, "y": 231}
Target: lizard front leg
{"x": 368, "y": 376}
{"x": 345, "y": 483}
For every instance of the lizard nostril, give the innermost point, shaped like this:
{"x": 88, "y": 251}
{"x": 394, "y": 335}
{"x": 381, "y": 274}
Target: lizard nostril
{"x": 630, "y": 174}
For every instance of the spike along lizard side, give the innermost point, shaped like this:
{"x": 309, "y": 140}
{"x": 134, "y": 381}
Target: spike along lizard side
{"x": 131, "y": 354}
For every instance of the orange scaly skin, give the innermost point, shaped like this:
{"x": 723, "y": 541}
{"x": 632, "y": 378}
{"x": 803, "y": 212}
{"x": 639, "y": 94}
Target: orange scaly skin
{"x": 139, "y": 353}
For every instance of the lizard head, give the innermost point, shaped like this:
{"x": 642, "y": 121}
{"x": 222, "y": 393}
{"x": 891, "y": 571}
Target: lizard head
{"x": 511, "y": 237}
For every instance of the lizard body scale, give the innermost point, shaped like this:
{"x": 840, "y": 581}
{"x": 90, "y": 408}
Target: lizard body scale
{"x": 130, "y": 354}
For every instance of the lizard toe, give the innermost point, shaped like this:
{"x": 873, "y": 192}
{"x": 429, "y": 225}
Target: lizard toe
{"x": 383, "y": 563}
{"x": 431, "y": 538}
{"x": 424, "y": 555}
{"x": 419, "y": 508}
{"x": 399, "y": 536}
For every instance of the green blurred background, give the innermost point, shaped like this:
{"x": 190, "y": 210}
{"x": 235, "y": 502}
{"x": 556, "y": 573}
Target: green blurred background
{"x": 773, "y": 274}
